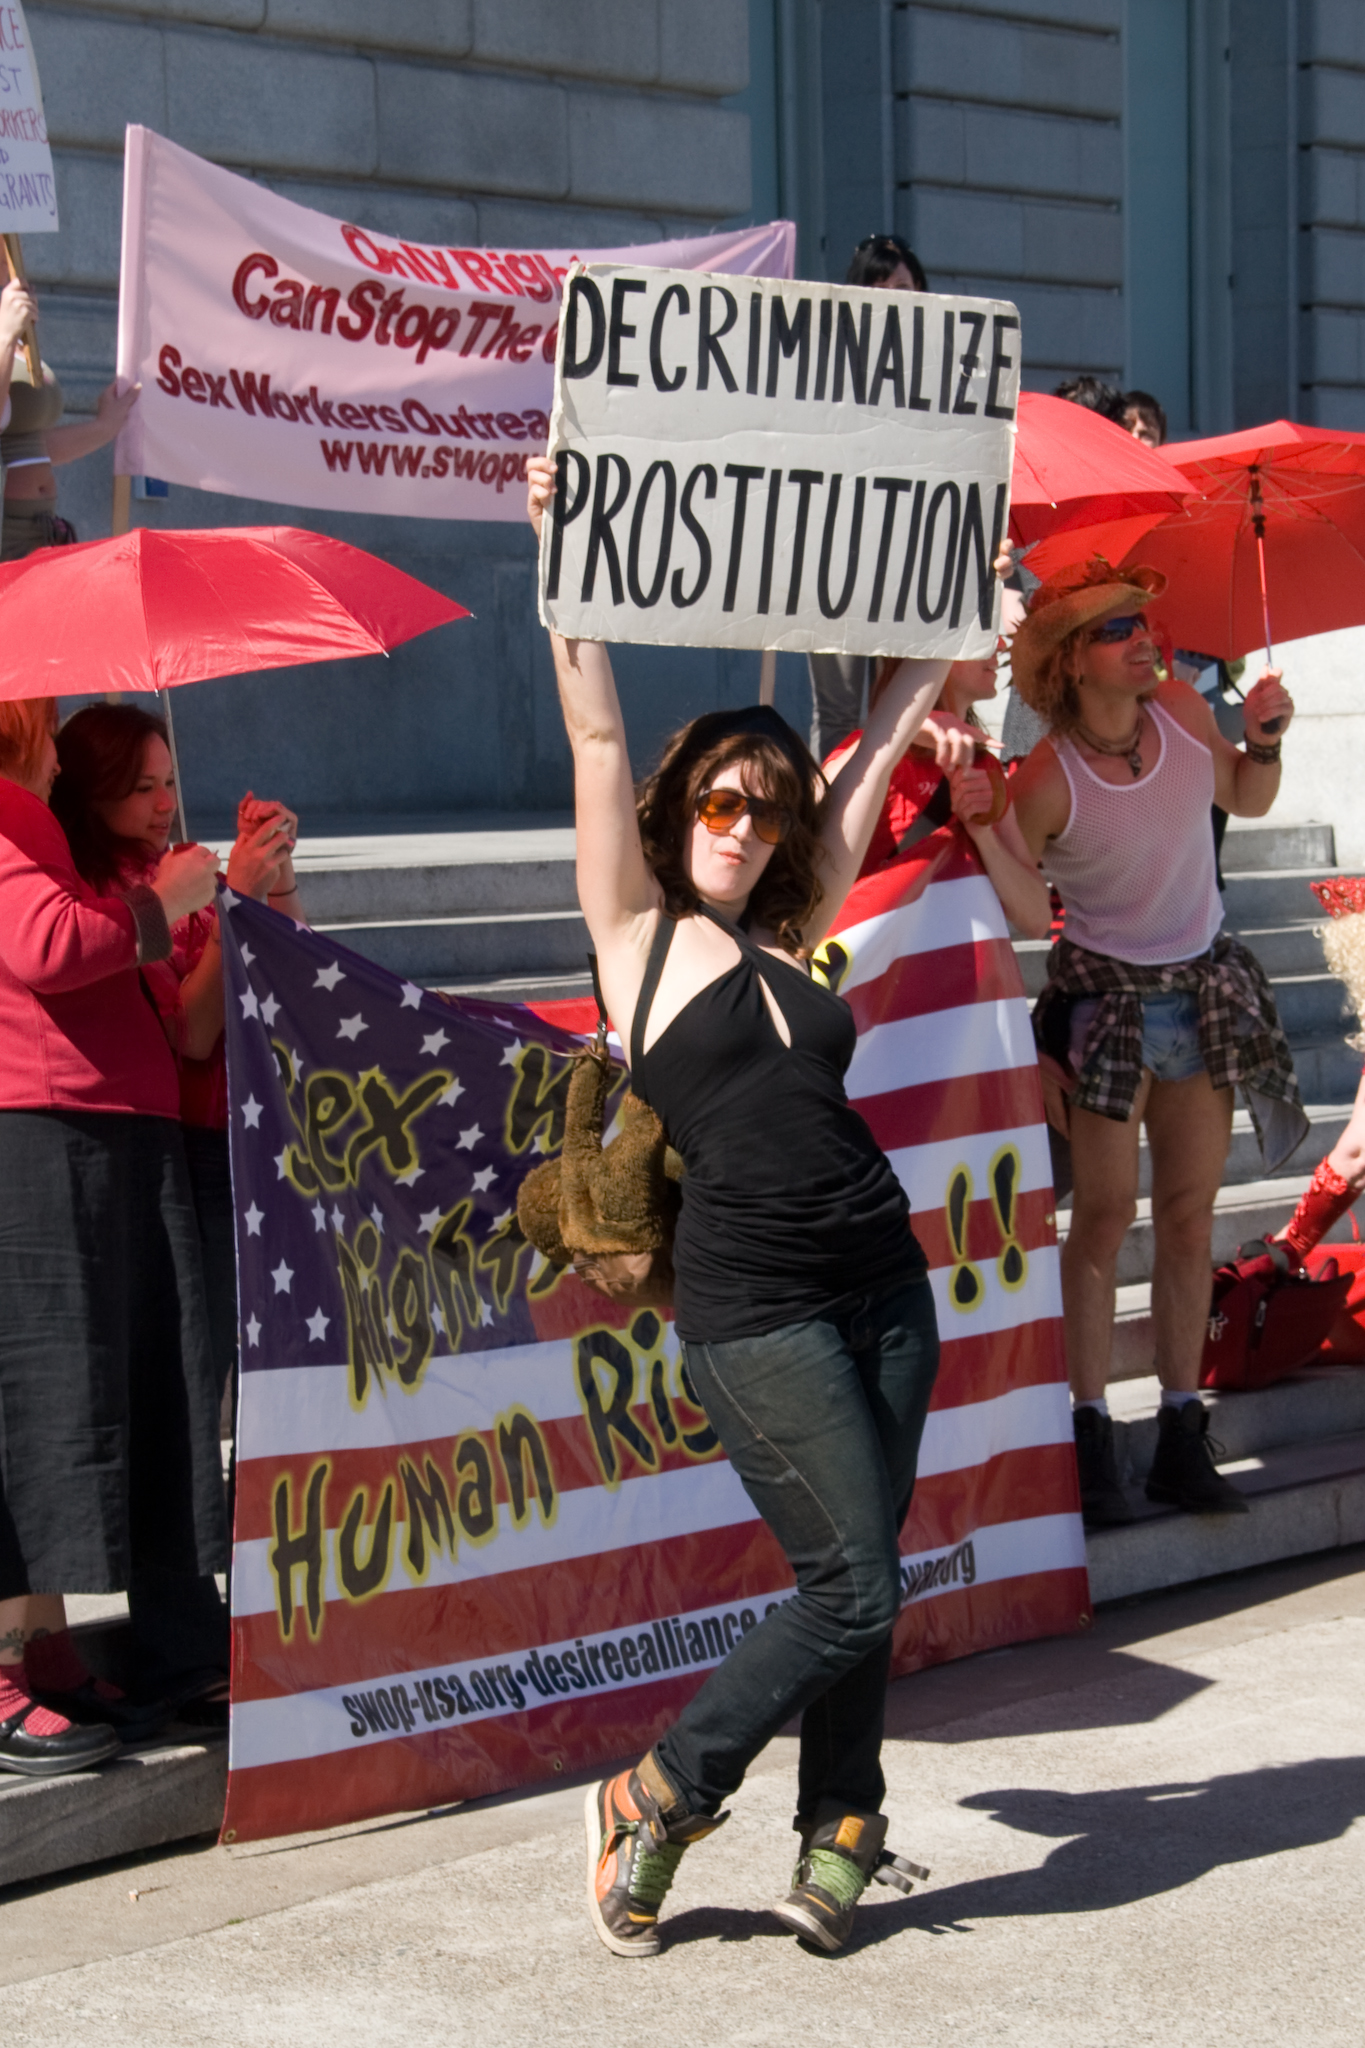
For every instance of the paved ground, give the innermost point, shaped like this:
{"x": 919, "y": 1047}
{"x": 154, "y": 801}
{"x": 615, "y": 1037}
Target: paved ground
{"x": 1147, "y": 1835}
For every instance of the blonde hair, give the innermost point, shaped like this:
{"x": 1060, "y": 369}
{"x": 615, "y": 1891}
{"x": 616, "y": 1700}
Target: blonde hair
{"x": 1051, "y": 689}
{"x": 1343, "y": 941}
{"x": 25, "y": 722}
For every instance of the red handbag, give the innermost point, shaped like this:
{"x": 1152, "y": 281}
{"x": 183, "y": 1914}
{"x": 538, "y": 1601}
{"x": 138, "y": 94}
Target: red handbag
{"x": 1345, "y": 1341}
{"x": 1267, "y": 1320}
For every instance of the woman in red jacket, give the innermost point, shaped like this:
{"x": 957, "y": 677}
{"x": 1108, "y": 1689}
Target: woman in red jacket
{"x": 109, "y": 1452}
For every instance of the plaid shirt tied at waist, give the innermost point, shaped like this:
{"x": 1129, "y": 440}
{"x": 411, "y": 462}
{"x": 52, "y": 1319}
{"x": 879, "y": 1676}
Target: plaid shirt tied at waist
{"x": 1240, "y": 1034}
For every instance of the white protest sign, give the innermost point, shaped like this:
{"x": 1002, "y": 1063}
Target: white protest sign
{"x": 289, "y": 356}
{"x": 28, "y": 197}
{"x": 800, "y": 466}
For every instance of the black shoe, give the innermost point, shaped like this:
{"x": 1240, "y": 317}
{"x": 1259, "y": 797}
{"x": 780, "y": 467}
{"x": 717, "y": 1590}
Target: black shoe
{"x": 131, "y": 1720}
{"x": 1104, "y": 1504}
{"x": 52, "y": 1756}
{"x": 1183, "y": 1473}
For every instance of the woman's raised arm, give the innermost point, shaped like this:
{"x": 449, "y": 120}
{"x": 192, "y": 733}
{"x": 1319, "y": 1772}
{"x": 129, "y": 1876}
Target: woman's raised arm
{"x": 615, "y": 887}
{"x": 858, "y": 790}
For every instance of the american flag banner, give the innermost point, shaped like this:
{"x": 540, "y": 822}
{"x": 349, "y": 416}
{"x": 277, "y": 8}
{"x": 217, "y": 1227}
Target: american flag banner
{"x": 484, "y": 1533}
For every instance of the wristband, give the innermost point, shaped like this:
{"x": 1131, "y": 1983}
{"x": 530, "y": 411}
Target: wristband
{"x": 1263, "y": 756}
{"x": 292, "y": 890}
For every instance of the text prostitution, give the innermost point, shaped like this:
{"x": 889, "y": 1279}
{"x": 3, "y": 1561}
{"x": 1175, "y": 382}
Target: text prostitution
{"x": 757, "y": 463}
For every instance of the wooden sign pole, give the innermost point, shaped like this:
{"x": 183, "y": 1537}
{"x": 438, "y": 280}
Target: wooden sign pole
{"x": 28, "y": 340}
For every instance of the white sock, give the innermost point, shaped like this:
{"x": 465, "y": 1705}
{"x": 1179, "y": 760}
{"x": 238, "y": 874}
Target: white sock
{"x": 1101, "y": 1406}
{"x": 1175, "y": 1397}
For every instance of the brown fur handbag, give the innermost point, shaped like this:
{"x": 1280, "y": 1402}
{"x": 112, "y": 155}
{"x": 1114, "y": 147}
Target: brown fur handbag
{"x": 610, "y": 1210}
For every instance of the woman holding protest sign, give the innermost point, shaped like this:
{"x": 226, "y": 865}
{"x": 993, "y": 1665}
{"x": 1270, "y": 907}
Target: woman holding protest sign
{"x": 801, "y": 1299}
{"x": 110, "y": 1454}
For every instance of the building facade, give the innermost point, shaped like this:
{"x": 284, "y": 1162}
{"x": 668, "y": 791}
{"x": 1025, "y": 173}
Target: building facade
{"x": 1173, "y": 191}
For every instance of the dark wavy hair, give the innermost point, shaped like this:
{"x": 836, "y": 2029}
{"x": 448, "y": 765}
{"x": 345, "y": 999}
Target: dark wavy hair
{"x": 100, "y": 749}
{"x": 777, "y": 765}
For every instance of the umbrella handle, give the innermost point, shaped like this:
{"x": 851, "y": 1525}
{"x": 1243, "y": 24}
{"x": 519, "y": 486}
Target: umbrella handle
{"x": 165, "y": 697}
{"x": 1258, "y": 522}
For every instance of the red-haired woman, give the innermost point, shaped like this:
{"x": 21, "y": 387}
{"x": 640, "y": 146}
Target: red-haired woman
{"x": 115, "y": 798}
{"x": 109, "y": 1460}
{"x": 802, "y": 1298}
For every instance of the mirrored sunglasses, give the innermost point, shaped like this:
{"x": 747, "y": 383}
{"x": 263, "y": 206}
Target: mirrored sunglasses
{"x": 1115, "y": 630}
{"x": 720, "y": 810}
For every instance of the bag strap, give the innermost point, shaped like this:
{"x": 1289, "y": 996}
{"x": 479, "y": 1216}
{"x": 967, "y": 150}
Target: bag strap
{"x": 600, "y": 1042}
{"x": 654, "y": 967}
{"x": 936, "y": 812}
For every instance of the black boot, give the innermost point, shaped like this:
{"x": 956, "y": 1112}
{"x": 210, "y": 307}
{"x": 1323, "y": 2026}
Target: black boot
{"x": 1183, "y": 1473}
{"x": 1104, "y": 1504}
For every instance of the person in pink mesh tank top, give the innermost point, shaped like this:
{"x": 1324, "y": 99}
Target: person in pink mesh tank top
{"x": 1152, "y": 1014}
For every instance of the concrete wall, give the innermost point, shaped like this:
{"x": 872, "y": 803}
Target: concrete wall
{"x": 499, "y": 121}
{"x": 1009, "y": 167}
{"x": 1331, "y": 112}
{"x": 1172, "y": 190}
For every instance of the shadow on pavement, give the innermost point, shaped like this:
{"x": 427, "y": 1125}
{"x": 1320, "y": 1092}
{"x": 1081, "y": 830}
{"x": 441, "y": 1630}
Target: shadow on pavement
{"x": 1137, "y": 1843}
{"x": 1045, "y": 1695}
{"x": 1122, "y": 1847}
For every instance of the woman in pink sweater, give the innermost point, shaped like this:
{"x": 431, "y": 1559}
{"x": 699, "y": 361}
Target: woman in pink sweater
{"x": 109, "y": 1450}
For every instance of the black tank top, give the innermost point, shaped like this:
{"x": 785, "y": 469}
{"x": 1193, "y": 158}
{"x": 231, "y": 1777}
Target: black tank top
{"x": 789, "y": 1205}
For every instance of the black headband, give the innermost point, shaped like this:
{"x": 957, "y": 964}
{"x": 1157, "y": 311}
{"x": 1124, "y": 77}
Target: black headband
{"x": 755, "y": 721}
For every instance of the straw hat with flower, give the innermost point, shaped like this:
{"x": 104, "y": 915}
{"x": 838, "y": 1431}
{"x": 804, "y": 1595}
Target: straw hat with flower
{"x": 1059, "y": 613}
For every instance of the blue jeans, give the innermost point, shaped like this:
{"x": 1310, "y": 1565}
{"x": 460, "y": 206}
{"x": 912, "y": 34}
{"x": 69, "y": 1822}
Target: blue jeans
{"x": 1170, "y": 1034}
{"x": 822, "y": 1421}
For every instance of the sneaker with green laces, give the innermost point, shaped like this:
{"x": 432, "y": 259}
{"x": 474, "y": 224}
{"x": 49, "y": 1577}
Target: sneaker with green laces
{"x": 841, "y": 1852}
{"x": 637, "y": 1829}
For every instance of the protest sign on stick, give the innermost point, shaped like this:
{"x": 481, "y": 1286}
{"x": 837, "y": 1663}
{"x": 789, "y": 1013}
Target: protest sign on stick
{"x": 28, "y": 193}
{"x": 288, "y": 356}
{"x": 780, "y": 465}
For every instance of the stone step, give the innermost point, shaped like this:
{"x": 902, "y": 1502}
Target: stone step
{"x": 1311, "y": 1005}
{"x": 1244, "y": 1163}
{"x": 1285, "y": 948}
{"x": 1321, "y": 1402}
{"x": 1328, "y": 1069}
{"x": 403, "y": 869}
{"x": 1254, "y": 1209}
{"x": 1292, "y": 950}
{"x": 1264, "y": 843}
{"x": 138, "y": 1800}
{"x": 1270, "y": 896}
{"x": 446, "y": 951}
{"x": 1304, "y": 1498}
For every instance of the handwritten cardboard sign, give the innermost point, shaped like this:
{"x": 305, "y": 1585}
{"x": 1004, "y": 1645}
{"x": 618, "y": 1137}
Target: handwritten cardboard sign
{"x": 761, "y": 463}
{"x": 28, "y": 196}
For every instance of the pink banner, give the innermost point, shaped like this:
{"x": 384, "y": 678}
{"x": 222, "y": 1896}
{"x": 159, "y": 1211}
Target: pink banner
{"x": 287, "y": 356}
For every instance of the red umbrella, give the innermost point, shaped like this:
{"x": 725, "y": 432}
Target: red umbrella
{"x": 150, "y": 610}
{"x": 1279, "y": 529}
{"x": 1083, "y": 486}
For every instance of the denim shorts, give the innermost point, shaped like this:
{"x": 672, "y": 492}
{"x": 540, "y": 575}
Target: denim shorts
{"x": 1170, "y": 1034}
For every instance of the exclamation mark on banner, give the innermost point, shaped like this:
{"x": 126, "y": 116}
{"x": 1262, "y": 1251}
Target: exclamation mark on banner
{"x": 966, "y": 1288}
{"x": 1012, "y": 1265}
